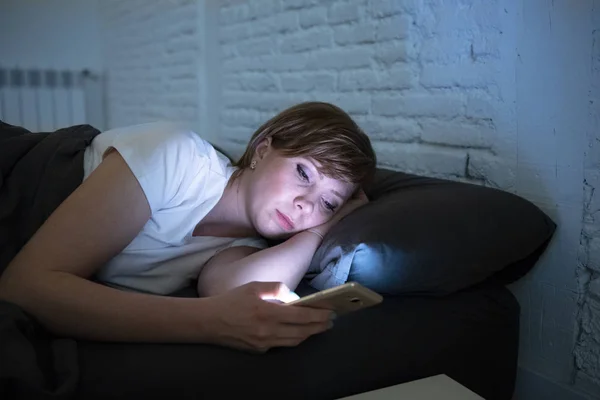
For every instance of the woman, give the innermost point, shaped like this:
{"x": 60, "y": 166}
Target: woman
{"x": 159, "y": 207}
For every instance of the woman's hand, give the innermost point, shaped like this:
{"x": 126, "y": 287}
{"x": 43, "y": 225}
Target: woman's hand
{"x": 243, "y": 318}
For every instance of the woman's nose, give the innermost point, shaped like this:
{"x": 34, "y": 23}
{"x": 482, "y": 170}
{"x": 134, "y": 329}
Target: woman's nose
{"x": 304, "y": 205}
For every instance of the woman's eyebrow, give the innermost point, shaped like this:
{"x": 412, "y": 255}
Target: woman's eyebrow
{"x": 338, "y": 194}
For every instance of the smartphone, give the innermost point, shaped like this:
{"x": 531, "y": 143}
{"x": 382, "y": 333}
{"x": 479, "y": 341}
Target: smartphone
{"x": 351, "y": 296}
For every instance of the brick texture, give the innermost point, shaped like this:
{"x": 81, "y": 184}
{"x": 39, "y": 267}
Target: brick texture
{"x": 587, "y": 349}
{"x": 151, "y": 53}
{"x": 379, "y": 60}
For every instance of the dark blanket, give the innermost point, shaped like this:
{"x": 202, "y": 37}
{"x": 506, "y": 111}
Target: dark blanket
{"x": 37, "y": 172}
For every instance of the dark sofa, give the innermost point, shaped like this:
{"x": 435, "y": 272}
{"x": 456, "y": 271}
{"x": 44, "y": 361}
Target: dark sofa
{"x": 471, "y": 336}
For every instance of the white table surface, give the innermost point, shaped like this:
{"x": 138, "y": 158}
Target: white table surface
{"x": 438, "y": 387}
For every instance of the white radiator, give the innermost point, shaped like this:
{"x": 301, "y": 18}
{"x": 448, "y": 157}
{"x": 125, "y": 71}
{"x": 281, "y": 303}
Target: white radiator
{"x": 46, "y": 100}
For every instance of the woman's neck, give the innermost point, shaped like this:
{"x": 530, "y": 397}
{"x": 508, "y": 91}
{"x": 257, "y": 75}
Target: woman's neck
{"x": 228, "y": 218}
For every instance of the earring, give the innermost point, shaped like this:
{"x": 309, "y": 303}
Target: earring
{"x": 253, "y": 164}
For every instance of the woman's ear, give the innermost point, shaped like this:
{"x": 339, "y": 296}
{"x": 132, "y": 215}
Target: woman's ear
{"x": 263, "y": 148}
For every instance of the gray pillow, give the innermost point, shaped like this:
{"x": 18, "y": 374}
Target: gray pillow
{"x": 422, "y": 235}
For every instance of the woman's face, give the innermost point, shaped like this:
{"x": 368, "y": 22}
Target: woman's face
{"x": 289, "y": 195}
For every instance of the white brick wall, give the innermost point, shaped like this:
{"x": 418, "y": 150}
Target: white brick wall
{"x": 587, "y": 349}
{"x": 151, "y": 54}
{"x": 382, "y": 62}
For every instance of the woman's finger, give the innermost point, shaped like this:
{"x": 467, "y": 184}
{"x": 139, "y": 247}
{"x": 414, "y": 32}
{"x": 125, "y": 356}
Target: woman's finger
{"x": 292, "y": 335}
{"x": 298, "y": 315}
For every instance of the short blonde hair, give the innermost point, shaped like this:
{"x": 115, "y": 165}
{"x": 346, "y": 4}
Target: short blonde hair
{"x": 323, "y": 132}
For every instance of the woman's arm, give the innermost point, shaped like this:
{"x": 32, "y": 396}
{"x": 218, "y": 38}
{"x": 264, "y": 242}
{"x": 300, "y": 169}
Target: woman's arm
{"x": 49, "y": 279}
{"x": 286, "y": 262}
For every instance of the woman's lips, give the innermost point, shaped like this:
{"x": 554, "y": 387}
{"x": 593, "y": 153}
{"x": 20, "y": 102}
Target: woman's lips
{"x": 284, "y": 221}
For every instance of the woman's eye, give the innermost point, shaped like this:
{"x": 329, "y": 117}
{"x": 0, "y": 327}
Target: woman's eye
{"x": 302, "y": 173}
{"x": 329, "y": 206}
